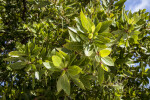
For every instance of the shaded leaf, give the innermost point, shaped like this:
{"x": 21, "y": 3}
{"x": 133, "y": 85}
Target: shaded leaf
{"x": 18, "y": 65}
{"x": 74, "y": 70}
{"x": 78, "y": 83}
{"x": 85, "y": 80}
{"x": 63, "y": 83}
{"x": 120, "y": 3}
{"x": 77, "y": 46}
{"x": 100, "y": 74}
{"x": 104, "y": 26}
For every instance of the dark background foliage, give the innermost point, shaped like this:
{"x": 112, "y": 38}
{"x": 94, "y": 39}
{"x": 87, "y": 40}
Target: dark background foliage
{"x": 57, "y": 49}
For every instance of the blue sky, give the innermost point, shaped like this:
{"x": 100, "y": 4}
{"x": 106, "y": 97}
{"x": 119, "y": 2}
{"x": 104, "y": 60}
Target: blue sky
{"x": 135, "y": 5}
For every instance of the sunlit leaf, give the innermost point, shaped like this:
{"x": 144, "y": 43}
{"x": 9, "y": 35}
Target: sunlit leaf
{"x": 105, "y": 67}
{"x": 47, "y": 64}
{"x": 108, "y": 61}
{"x": 105, "y": 52}
{"x": 56, "y": 60}
{"x": 85, "y": 23}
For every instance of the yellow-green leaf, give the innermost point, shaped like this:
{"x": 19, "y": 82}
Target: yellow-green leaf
{"x": 85, "y": 23}
{"x": 105, "y": 52}
{"x": 105, "y": 67}
{"x": 56, "y": 60}
{"x": 98, "y": 27}
{"x": 16, "y": 54}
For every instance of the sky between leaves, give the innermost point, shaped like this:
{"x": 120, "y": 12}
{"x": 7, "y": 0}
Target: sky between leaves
{"x": 135, "y": 5}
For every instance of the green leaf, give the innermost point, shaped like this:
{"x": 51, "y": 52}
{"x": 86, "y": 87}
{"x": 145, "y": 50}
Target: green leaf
{"x": 105, "y": 3}
{"x": 86, "y": 81}
{"x": 104, "y": 26}
{"x": 105, "y": 52}
{"x": 47, "y": 64}
{"x": 83, "y": 37}
{"x": 100, "y": 75}
{"x": 78, "y": 83}
{"x": 77, "y": 46}
{"x": 87, "y": 51}
{"x": 74, "y": 70}
{"x": 18, "y": 65}
{"x": 33, "y": 80}
{"x": 134, "y": 35}
{"x": 37, "y": 75}
{"x": 130, "y": 14}
{"x": 59, "y": 87}
{"x": 105, "y": 68}
{"x": 56, "y": 60}
{"x": 81, "y": 28}
{"x": 12, "y": 59}
{"x": 1, "y": 34}
{"x": 97, "y": 58}
{"x": 73, "y": 36}
{"x": 102, "y": 39}
{"x": 73, "y": 29}
{"x": 16, "y": 54}
{"x": 120, "y": 3}
{"x": 106, "y": 34}
{"x": 63, "y": 83}
{"x": 85, "y": 23}
{"x": 128, "y": 73}
{"x": 92, "y": 25}
{"x": 43, "y": 52}
{"x": 98, "y": 27}
{"x": 36, "y": 51}
{"x": 108, "y": 61}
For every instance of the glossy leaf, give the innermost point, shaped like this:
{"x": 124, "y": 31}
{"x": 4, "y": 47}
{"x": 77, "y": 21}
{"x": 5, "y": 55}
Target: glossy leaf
{"x": 108, "y": 61}
{"x": 105, "y": 52}
{"x": 56, "y": 60}
{"x": 105, "y": 67}
{"x": 15, "y": 54}
{"x": 73, "y": 36}
{"x": 47, "y": 64}
{"x": 37, "y": 75}
{"x": 85, "y": 23}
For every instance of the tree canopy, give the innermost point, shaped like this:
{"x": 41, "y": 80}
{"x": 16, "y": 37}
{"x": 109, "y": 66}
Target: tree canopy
{"x": 73, "y": 50}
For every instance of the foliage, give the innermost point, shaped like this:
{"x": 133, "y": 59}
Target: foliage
{"x": 73, "y": 49}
